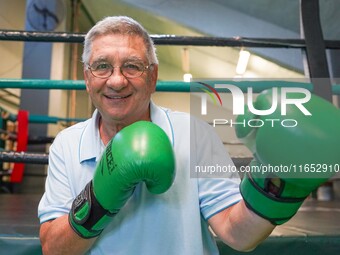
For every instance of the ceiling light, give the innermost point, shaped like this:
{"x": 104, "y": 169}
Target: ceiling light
{"x": 187, "y": 77}
{"x": 242, "y": 62}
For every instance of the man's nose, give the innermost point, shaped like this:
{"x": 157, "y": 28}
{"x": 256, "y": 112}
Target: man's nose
{"x": 117, "y": 80}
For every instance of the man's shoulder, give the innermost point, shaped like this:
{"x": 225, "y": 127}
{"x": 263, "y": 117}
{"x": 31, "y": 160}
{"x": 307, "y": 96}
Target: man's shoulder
{"x": 192, "y": 120}
{"x": 184, "y": 121}
{"x": 75, "y": 130}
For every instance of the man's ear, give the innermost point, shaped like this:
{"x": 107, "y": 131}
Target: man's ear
{"x": 154, "y": 77}
{"x": 86, "y": 79}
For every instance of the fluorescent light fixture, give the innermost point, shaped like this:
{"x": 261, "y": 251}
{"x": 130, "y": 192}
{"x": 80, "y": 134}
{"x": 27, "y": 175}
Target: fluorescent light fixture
{"x": 187, "y": 77}
{"x": 242, "y": 62}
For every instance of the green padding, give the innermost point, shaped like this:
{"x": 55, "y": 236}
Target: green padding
{"x": 171, "y": 86}
{"x": 276, "y": 211}
{"x": 316, "y": 245}
{"x": 19, "y": 245}
{"x": 164, "y": 86}
{"x": 42, "y": 119}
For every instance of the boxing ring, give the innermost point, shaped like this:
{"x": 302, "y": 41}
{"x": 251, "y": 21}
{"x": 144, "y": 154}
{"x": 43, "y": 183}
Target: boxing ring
{"x": 315, "y": 229}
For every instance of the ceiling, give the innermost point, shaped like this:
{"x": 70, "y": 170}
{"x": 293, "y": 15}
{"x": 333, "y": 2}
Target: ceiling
{"x": 286, "y": 13}
{"x": 256, "y": 18}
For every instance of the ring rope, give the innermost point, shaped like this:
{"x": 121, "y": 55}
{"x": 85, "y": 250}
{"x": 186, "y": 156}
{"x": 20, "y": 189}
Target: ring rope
{"x": 162, "y": 86}
{"x": 236, "y": 41}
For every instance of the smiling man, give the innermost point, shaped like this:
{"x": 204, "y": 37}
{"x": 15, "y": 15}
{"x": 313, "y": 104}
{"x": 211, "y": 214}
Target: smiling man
{"x": 120, "y": 80}
{"x": 119, "y": 183}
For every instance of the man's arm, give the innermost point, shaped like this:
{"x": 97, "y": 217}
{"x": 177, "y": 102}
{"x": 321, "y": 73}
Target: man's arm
{"x": 240, "y": 228}
{"x": 140, "y": 152}
{"x": 57, "y": 237}
{"x": 273, "y": 198}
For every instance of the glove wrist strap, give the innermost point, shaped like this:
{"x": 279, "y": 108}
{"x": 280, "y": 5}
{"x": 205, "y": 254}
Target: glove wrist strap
{"x": 87, "y": 217}
{"x": 277, "y": 210}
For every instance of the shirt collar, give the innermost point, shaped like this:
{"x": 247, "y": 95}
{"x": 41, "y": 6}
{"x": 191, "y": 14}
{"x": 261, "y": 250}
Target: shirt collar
{"x": 91, "y": 145}
{"x": 160, "y": 117}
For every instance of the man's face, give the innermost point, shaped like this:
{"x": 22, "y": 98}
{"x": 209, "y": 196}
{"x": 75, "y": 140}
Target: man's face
{"x": 119, "y": 99}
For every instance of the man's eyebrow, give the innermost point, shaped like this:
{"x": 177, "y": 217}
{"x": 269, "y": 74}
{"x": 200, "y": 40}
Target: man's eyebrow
{"x": 133, "y": 58}
{"x": 127, "y": 59}
{"x": 100, "y": 59}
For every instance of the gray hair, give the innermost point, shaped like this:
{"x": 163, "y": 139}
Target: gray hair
{"x": 119, "y": 25}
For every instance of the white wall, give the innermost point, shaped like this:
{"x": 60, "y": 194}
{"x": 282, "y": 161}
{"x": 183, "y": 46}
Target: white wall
{"x": 12, "y": 17}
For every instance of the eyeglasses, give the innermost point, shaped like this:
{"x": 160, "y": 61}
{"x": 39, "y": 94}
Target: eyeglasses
{"x": 104, "y": 70}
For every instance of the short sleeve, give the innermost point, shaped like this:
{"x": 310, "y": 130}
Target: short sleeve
{"x": 57, "y": 199}
{"x": 218, "y": 179}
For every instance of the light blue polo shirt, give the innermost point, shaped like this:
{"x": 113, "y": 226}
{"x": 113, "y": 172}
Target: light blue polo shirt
{"x": 174, "y": 222}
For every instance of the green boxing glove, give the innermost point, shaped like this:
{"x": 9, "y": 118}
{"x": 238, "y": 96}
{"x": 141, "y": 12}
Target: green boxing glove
{"x": 291, "y": 161}
{"x": 138, "y": 153}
